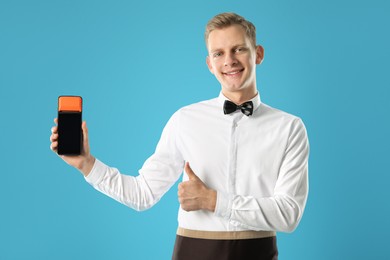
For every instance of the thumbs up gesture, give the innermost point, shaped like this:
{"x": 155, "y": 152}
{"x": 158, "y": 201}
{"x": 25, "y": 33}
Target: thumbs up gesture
{"x": 194, "y": 194}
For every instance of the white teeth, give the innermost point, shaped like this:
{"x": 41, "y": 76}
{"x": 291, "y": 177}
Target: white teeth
{"x": 232, "y": 73}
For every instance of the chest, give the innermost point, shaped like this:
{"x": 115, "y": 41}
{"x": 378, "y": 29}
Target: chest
{"x": 248, "y": 153}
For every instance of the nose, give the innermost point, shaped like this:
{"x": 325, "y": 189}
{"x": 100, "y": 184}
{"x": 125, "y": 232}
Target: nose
{"x": 230, "y": 60}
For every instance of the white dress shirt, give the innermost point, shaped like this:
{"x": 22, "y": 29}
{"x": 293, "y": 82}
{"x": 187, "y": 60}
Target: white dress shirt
{"x": 258, "y": 165}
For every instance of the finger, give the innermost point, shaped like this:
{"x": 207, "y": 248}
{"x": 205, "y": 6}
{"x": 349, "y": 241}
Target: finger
{"x": 190, "y": 172}
{"x": 179, "y": 193}
{"x": 56, "y": 121}
{"x": 53, "y": 137}
{"x": 53, "y": 146}
{"x": 54, "y": 129}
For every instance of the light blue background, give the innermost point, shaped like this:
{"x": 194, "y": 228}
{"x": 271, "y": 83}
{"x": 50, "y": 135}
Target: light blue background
{"x": 325, "y": 61}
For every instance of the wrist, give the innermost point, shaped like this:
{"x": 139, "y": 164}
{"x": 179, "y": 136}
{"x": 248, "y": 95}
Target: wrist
{"x": 86, "y": 167}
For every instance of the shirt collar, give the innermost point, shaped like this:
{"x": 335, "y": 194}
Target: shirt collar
{"x": 256, "y": 100}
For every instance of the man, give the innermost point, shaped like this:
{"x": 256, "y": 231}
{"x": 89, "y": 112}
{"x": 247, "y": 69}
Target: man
{"x": 245, "y": 163}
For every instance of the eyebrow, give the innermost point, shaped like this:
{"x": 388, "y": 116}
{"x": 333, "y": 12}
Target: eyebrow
{"x": 234, "y": 47}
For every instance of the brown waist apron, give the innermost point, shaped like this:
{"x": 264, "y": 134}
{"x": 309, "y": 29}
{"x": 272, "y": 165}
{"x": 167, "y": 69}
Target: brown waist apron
{"x": 230, "y": 245}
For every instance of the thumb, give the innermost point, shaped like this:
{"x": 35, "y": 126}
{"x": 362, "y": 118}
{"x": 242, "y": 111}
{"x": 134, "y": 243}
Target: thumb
{"x": 190, "y": 172}
{"x": 85, "y": 131}
{"x": 85, "y": 137}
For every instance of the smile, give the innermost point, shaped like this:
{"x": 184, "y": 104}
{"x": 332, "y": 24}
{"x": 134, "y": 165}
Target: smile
{"x": 233, "y": 73}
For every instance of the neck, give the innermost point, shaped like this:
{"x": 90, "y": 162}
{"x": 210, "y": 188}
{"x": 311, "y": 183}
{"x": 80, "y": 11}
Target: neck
{"x": 240, "y": 97}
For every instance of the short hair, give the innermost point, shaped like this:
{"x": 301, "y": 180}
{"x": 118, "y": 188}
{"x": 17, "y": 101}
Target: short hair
{"x": 224, "y": 20}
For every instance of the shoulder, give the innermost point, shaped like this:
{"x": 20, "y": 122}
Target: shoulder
{"x": 203, "y": 113}
{"x": 205, "y": 107}
{"x": 199, "y": 108}
{"x": 279, "y": 117}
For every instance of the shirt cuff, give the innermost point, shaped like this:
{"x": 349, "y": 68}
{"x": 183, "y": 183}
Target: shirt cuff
{"x": 223, "y": 206}
{"x": 96, "y": 175}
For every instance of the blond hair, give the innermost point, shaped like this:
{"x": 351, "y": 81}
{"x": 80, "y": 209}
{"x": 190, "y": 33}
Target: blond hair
{"x": 224, "y": 20}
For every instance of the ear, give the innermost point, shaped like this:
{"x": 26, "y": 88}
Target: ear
{"x": 209, "y": 65}
{"x": 259, "y": 54}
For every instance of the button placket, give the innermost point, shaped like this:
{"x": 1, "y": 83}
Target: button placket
{"x": 233, "y": 153}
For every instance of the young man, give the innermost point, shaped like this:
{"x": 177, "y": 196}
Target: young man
{"x": 245, "y": 163}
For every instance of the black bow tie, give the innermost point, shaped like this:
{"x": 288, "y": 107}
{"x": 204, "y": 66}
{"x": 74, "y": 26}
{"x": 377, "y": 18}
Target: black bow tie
{"x": 230, "y": 107}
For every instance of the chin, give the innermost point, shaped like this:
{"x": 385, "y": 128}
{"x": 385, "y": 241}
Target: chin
{"x": 234, "y": 88}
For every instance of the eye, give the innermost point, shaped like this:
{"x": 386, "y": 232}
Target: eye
{"x": 239, "y": 49}
{"x": 217, "y": 54}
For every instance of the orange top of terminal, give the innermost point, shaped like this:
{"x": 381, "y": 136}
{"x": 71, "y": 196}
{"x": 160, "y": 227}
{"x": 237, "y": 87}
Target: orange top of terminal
{"x": 70, "y": 103}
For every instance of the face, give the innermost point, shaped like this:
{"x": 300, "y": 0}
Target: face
{"x": 232, "y": 59}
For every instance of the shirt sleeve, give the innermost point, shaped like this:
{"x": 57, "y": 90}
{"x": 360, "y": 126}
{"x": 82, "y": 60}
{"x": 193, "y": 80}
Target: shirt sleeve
{"x": 282, "y": 211}
{"x": 157, "y": 175}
